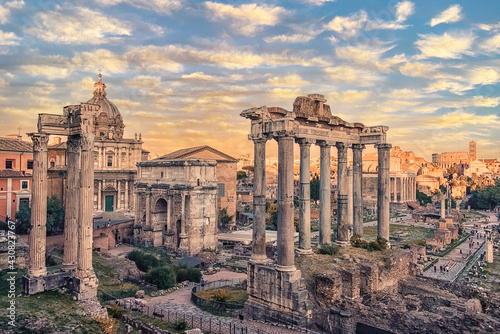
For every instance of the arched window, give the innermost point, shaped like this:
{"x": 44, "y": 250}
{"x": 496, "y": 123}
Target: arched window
{"x": 110, "y": 161}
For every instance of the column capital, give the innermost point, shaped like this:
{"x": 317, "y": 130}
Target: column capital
{"x": 260, "y": 138}
{"x": 305, "y": 141}
{"x": 341, "y": 145}
{"x": 325, "y": 143}
{"x": 383, "y": 146}
{"x": 40, "y": 141}
{"x": 358, "y": 146}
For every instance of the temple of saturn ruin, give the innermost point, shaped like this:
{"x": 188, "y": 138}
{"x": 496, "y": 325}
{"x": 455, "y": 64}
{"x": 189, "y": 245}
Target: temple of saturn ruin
{"x": 277, "y": 290}
{"x": 78, "y": 124}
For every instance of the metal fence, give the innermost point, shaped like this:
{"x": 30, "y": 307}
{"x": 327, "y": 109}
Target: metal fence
{"x": 216, "y": 305}
{"x": 207, "y": 324}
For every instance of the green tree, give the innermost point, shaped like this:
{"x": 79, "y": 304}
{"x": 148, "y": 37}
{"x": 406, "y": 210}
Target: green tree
{"x": 241, "y": 174}
{"x": 486, "y": 198}
{"x": 249, "y": 168}
{"x": 55, "y": 215}
{"x": 315, "y": 188}
{"x": 143, "y": 261}
{"x": 164, "y": 277}
{"x": 423, "y": 199}
{"x": 23, "y": 219}
{"x": 224, "y": 218}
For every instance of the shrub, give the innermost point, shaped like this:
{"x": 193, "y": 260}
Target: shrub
{"x": 163, "y": 277}
{"x": 357, "y": 241}
{"x": 328, "y": 249}
{"x": 379, "y": 244}
{"x": 220, "y": 295}
{"x": 420, "y": 242}
{"x": 182, "y": 275}
{"x": 180, "y": 324}
{"x": 115, "y": 310}
{"x": 194, "y": 275}
{"x": 143, "y": 261}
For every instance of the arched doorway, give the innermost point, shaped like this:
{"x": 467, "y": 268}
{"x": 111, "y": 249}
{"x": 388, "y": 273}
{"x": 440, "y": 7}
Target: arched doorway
{"x": 159, "y": 215}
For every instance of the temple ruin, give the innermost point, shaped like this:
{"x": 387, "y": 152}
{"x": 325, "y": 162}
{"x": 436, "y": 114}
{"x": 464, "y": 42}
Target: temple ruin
{"x": 78, "y": 124}
{"x": 277, "y": 290}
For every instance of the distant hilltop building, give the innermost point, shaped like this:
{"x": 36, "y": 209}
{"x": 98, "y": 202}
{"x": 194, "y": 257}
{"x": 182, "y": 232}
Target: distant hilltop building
{"x": 115, "y": 159}
{"x": 449, "y": 159}
{"x": 472, "y": 151}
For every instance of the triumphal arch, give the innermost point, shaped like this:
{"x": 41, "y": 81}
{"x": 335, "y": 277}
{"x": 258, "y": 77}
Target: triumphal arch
{"x": 276, "y": 289}
{"x": 78, "y": 124}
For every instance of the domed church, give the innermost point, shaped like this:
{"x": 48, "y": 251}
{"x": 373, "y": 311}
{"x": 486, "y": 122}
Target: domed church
{"x": 115, "y": 158}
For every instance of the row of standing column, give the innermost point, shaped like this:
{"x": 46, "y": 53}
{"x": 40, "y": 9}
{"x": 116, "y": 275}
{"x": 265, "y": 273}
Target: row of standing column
{"x": 78, "y": 229}
{"x": 119, "y": 194}
{"x": 406, "y": 189}
{"x": 285, "y": 197}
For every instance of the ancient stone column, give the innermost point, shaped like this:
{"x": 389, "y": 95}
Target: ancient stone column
{"x": 71, "y": 203}
{"x": 99, "y": 194}
{"x": 286, "y": 228}
{"x": 183, "y": 243}
{"x": 305, "y": 197}
{"x": 85, "y": 228}
{"x": 259, "y": 202}
{"x": 383, "y": 210}
{"x": 325, "y": 225}
{"x": 38, "y": 231}
{"x": 443, "y": 207}
{"x": 148, "y": 208}
{"x": 357, "y": 155}
{"x": 126, "y": 195}
{"x": 350, "y": 202}
{"x": 342, "y": 191}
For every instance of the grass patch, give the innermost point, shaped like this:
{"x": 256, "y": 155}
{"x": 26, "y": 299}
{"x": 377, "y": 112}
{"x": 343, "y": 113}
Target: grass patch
{"x": 414, "y": 233}
{"x": 45, "y": 312}
{"x": 227, "y": 294}
{"x": 173, "y": 327}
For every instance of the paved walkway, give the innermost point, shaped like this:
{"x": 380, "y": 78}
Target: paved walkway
{"x": 454, "y": 261}
{"x": 179, "y": 302}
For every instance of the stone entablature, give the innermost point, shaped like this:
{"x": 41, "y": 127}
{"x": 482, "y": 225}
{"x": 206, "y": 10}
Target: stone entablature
{"x": 176, "y": 204}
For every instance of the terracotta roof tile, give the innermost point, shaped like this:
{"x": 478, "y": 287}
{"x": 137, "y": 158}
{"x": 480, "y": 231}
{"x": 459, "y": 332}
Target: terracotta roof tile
{"x": 5, "y": 173}
{"x": 15, "y": 145}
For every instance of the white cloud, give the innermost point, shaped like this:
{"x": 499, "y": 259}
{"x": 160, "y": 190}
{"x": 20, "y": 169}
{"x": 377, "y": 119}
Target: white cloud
{"x": 152, "y": 57}
{"x": 247, "y": 19}
{"x": 106, "y": 60}
{"x": 144, "y": 81}
{"x": 349, "y": 96}
{"x": 353, "y": 75}
{"x": 5, "y": 9}
{"x": 491, "y": 44}
{"x": 460, "y": 118}
{"x": 292, "y": 80}
{"x": 78, "y": 26}
{"x": 481, "y": 101}
{"x": 449, "y": 15}
{"x": 448, "y": 85}
{"x": 294, "y": 38}
{"x": 51, "y": 72}
{"x": 317, "y": 2}
{"x": 403, "y": 10}
{"x": 448, "y": 46}
{"x": 8, "y": 38}
{"x": 483, "y": 76}
{"x": 159, "y": 6}
{"x": 348, "y": 25}
{"x": 199, "y": 76}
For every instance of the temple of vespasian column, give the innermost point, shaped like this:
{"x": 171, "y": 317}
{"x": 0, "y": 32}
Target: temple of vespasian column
{"x": 277, "y": 290}
{"x": 77, "y": 122}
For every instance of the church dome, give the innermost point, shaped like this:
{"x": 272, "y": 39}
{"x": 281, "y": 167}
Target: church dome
{"x": 109, "y": 122}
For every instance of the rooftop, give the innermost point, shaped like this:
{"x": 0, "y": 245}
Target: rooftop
{"x": 15, "y": 145}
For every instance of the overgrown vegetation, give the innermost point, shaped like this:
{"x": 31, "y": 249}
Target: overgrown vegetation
{"x": 328, "y": 249}
{"x": 378, "y": 245}
{"x": 423, "y": 199}
{"x": 160, "y": 272}
{"x": 228, "y": 294}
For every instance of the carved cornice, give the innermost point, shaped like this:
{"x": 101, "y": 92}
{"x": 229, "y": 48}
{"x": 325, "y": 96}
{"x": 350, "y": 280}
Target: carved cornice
{"x": 40, "y": 141}
{"x": 358, "y": 146}
{"x": 325, "y": 143}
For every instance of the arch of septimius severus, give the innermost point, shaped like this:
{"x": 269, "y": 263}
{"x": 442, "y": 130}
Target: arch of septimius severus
{"x": 278, "y": 291}
{"x": 78, "y": 124}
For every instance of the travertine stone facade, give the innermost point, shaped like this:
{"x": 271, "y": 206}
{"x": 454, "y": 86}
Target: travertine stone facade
{"x": 176, "y": 204}
{"x": 310, "y": 122}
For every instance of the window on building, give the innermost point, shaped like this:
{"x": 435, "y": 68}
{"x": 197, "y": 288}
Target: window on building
{"x": 221, "y": 189}
{"x": 30, "y": 164}
{"x": 52, "y": 164}
{"x": 110, "y": 161}
{"x": 24, "y": 184}
{"x": 24, "y": 201}
{"x": 161, "y": 175}
{"x": 9, "y": 164}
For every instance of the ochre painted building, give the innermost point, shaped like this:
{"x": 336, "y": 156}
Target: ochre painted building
{"x": 16, "y": 167}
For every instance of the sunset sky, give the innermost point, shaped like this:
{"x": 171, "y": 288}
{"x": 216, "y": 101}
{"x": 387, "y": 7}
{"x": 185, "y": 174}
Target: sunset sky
{"x": 182, "y": 71}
